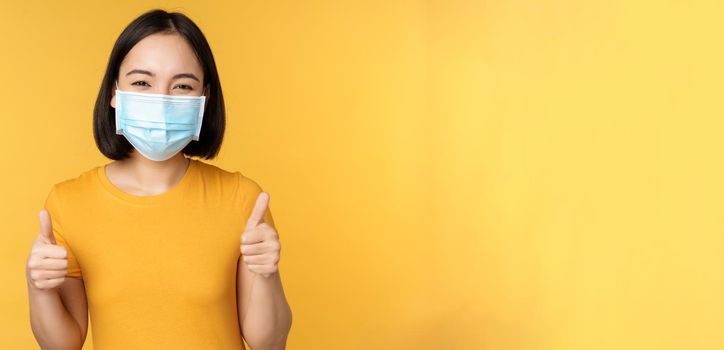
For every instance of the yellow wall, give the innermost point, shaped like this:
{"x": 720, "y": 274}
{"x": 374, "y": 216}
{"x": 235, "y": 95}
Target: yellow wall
{"x": 500, "y": 174}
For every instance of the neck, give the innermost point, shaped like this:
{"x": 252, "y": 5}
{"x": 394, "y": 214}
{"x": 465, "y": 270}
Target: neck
{"x": 154, "y": 176}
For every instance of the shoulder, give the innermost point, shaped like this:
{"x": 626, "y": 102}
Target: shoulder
{"x": 247, "y": 186}
{"x": 240, "y": 190}
{"x": 75, "y": 186}
{"x": 69, "y": 192}
{"x": 211, "y": 173}
{"x": 243, "y": 189}
{"x": 233, "y": 182}
{"x": 235, "y": 178}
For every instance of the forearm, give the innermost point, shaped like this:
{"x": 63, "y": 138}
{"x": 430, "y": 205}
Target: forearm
{"x": 269, "y": 318}
{"x": 51, "y": 323}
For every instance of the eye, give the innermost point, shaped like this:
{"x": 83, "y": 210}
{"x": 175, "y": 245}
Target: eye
{"x": 185, "y": 87}
{"x": 142, "y": 83}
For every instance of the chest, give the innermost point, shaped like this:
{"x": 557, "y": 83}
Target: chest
{"x": 188, "y": 252}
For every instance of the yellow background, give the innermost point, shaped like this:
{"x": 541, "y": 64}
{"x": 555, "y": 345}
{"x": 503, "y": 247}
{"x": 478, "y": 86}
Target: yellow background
{"x": 500, "y": 174}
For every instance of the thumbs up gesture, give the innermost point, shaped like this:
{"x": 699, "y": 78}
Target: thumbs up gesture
{"x": 260, "y": 245}
{"x": 47, "y": 264}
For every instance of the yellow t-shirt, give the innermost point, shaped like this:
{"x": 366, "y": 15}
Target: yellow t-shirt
{"x": 160, "y": 271}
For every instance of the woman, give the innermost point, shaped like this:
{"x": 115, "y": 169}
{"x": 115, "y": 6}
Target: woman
{"x": 149, "y": 243}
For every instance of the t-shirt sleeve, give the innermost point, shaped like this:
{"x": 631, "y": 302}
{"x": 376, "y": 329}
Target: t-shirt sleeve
{"x": 56, "y": 219}
{"x": 248, "y": 192}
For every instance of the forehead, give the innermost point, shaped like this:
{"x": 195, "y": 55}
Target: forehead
{"x": 162, "y": 54}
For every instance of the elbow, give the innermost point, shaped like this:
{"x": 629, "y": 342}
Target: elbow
{"x": 67, "y": 341}
{"x": 269, "y": 343}
{"x": 271, "y": 339}
{"x": 62, "y": 346}
{"x": 72, "y": 344}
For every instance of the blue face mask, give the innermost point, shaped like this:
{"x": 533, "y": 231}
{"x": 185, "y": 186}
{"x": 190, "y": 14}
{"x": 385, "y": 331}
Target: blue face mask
{"x": 158, "y": 126}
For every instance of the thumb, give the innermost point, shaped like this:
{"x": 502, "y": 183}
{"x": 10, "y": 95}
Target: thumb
{"x": 257, "y": 215}
{"x": 46, "y": 227}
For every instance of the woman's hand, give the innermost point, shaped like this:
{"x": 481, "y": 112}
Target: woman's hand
{"x": 47, "y": 264}
{"x": 260, "y": 245}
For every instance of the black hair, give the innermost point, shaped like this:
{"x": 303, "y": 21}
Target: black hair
{"x": 115, "y": 146}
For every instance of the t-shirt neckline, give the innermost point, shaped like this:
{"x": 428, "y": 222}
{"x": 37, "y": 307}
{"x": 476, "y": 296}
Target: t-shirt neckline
{"x": 147, "y": 199}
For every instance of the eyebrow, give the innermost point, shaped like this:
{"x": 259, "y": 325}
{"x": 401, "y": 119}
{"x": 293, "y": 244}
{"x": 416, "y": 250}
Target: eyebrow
{"x": 177, "y": 76}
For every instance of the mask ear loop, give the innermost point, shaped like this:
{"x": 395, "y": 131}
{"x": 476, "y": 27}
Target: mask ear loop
{"x": 197, "y": 134}
{"x": 119, "y": 130}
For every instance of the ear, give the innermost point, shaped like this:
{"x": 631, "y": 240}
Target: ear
{"x": 207, "y": 91}
{"x": 113, "y": 98}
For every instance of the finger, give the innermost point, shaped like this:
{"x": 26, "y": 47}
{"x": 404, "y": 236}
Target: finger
{"x": 262, "y": 232}
{"x": 51, "y": 283}
{"x": 252, "y": 237}
{"x": 53, "y": 264}
{"x": 46, "y": 227}
{"x": 47, "y": 274}
{"x": 259, "y": 259}
{"x": 257, "y": 215}
{"x": 51, "y": 251}
{"x": 48, "y": 264}
{"x": 254, "y": 259}
{"x": 256, "y": 249}
{"x": 262, "y": 269}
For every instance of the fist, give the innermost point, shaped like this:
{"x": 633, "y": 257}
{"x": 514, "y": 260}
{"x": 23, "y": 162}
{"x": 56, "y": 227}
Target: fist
{"x": 47, "y": 264}
{"x": 260, "y": 245}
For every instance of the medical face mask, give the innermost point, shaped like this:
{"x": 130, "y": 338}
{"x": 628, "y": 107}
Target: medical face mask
{"x": 157, "y": 125}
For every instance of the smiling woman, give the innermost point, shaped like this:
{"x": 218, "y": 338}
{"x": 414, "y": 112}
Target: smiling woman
{"x": 179, "y": 253}
{"x": 161, "y": 55}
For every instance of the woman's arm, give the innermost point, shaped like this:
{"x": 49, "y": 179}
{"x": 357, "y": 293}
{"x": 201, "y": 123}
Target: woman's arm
{"x": 265, "y": 315}
{"x": 58, "y": 307}
{"x": 54, "y": 326}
